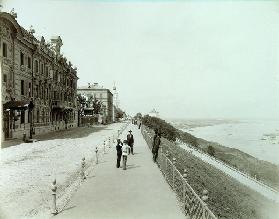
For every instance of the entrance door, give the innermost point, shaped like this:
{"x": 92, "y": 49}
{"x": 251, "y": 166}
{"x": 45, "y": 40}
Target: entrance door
{"x": 6, "y": 125}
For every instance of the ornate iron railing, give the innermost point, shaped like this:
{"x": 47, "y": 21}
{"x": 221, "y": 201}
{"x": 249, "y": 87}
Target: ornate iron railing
{"x": 193, "y": 206}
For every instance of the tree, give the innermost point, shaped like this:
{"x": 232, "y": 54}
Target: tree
{"x": 211, "y": 150}
{"x": 97, "y": 106}
{"x": 119, "y": 113}
{"x": 138, "y": 116}
{"x": 81, "y": 101}
{"x": 90, "y": 100}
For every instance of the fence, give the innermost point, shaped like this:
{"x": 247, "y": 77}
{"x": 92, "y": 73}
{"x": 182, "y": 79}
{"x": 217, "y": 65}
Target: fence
{"x": 193, "y": 205}
{"x": 59, "y": 194}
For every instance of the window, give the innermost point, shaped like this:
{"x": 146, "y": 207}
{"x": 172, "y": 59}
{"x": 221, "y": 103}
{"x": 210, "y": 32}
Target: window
{"x": 22, "y": 87}
{"x": 29, "y": 62}
{"x": 47, "y": 93}
{"x": 37, "y": 91}
{"x": 43, "y": 116}
{"x": 22, "y": 117}
{"x": 47, "y": 71}
{"x": 4, "y": 50}
{"x": 21, "y": 58}
{"x": 29, "y": 89}
{"x": 42, "y": 68}
{"x": 5, "y": 78}
{"x": 36, "y": 66}
{"x": 38, "y": 116}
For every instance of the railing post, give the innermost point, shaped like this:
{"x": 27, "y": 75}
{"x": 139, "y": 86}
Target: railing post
{"x": 53, "y": 189}
{"x": 161, "y": 165}
{"x": 173, "y": 171}
{"x": 204, "y": 199}
{"x": 167, "y": 154}
{"x": 184, "y": 186}
{"x": 96, "y": 151}
{"x": 83, "y": 168}
{"x": 104, "y": 147}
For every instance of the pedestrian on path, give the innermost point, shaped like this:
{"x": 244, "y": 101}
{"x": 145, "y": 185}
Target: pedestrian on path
{"x": 156, "y": 145}
{"x": 130, "y": 141}
{"x": 125, "y": 151}
{"x": 139, "y": 124}
{"x": 119, "y": 152}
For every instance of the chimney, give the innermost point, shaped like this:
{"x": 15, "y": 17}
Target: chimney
{"x": 56, "y": 43}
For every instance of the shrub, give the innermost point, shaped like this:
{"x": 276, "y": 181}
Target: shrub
{"x": 167, "y": 131}
{"x": 211, "y": 150}
{"x": 188, "y": 138}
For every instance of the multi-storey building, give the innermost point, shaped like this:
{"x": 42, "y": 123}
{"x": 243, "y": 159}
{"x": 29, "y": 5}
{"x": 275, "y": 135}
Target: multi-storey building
{"x": 38, "y": 83}
{"x": 102, "y": 94}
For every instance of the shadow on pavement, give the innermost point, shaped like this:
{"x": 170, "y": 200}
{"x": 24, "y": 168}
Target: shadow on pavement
{"x": 132, "y": 166}
{"x": 72, "y": 133}
{"x": 66, "y": 209}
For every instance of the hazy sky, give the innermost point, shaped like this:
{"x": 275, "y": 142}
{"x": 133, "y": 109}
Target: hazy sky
{"x": 202, "y": 59}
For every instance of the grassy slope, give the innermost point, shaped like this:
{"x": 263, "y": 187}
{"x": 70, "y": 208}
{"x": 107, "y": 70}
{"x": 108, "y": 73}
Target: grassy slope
{"x": 227, "y": 197}
{"x": 264, "y": 171}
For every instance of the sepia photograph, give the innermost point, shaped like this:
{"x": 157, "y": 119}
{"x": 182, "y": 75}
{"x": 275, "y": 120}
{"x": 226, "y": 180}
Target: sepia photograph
{"x": 139, "y": 109}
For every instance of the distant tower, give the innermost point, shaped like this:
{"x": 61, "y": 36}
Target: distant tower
{"x": 115, "y": 96}
{"x": 56, "y": 43}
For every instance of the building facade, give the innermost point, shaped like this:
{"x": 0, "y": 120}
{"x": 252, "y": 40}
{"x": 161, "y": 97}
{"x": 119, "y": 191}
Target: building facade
{"x": 102, "y": 94}
{"x": 38, "y": 84}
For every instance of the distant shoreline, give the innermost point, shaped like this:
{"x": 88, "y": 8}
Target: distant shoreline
{"x": 195, "y": 123}
{"x": 259, "y": 138}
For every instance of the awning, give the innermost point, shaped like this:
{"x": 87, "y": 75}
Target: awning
{"x": 18, "y": 105}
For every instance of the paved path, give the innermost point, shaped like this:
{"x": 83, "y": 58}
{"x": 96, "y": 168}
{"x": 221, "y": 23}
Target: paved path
{"x": 138, "y": 192}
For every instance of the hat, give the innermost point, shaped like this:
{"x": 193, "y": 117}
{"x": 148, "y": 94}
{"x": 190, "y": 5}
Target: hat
{"x": 130, "y": 131}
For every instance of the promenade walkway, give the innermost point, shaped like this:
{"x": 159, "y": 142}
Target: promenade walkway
{"x": 138, "y": 192}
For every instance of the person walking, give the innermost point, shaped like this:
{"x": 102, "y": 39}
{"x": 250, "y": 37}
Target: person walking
{"x": 119, "y": 152}
{"x": 125, "y": 149}
{"x": 156, "y": 145}
{"x": 130, "y": 141}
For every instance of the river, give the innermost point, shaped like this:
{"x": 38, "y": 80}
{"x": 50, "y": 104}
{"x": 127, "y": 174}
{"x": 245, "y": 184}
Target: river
{"x": 259, "y": 138}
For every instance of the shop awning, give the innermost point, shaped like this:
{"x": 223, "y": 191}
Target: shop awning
{"x": 18, "y": 105}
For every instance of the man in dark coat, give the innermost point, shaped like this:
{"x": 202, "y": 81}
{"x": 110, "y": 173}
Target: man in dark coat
{"x": 156, "y": 145}
{"x": 119, "y": 152}
{"x": 130, "y": 141}
{"x": 139, "y": 124}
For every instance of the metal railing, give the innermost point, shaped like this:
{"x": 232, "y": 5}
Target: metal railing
{"x": 59, "y": 197}
{"x": 193, "y": 206}
{"x": 241, "y": 172}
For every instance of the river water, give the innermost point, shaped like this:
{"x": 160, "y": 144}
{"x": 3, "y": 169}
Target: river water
{"x": 259, "y": 138}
